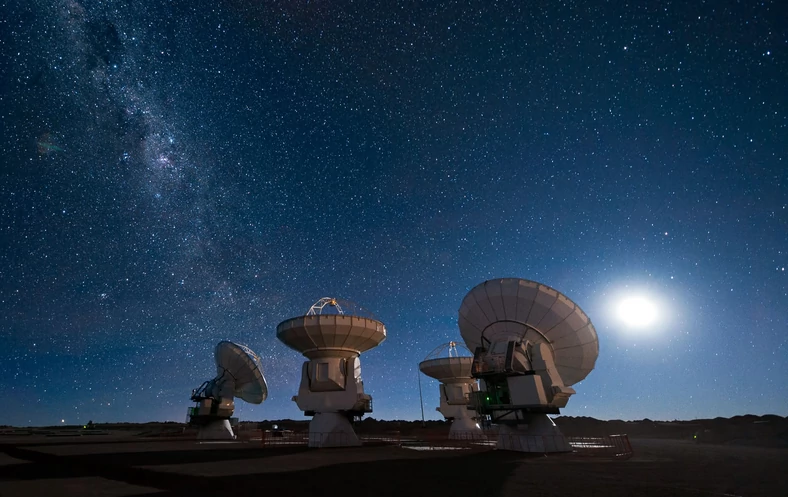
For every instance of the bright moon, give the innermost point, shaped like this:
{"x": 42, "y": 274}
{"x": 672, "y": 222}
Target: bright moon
{"x": 637, "y": 312}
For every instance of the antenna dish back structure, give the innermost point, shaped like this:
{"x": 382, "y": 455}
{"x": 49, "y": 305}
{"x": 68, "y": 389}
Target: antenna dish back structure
{"x": 450, "y": 364}
{"x": 239, "y": 373}
{"x": 530, "y": 343}
{"x": 331, "y": 388}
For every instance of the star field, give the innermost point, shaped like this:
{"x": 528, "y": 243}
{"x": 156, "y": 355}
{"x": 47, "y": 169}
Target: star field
{"x": 179, "y": 174}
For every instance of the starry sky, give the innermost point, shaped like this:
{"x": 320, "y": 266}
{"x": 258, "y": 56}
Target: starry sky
{"x": 182, "y": 173}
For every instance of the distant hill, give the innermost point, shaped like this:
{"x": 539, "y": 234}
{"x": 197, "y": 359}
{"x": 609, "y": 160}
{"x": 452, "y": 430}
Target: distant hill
{"x": 763, "y": 431}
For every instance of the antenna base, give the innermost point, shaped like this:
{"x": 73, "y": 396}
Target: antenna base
{"x": 218, "y": 429}
{"x": 332, "y": 429}
{"x": 465, "y": 428}
{"x": 540, "y": 435}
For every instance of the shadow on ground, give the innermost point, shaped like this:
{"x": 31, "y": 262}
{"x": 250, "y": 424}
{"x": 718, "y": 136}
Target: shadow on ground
{"x": 659, "y": 468}
{"x": 409, "y": 475}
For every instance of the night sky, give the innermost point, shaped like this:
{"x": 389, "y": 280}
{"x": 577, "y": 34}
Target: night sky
{"x": 182, "y": 173}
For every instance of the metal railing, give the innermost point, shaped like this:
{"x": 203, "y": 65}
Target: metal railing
{"x": 453, "y": 441}
{"x": 272, "y": 438}
{"x": 616, "y": 446}
{"x": 533, "y": 443}
{"x": 611, "y": 446}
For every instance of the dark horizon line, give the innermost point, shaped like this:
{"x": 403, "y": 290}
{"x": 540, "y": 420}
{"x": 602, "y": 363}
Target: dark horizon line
{"x": 401, "y": 421}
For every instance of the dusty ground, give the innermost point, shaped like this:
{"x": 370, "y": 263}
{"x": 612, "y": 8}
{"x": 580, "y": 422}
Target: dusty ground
{"x": 106, "y": 466}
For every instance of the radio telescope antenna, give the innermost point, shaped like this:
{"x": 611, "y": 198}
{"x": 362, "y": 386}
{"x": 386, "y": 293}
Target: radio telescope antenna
{"x": 530, "y": 343}
{"x": 239, "y": 373}
{"x": 450, "y": 364}
{"x": 331, "y": 388}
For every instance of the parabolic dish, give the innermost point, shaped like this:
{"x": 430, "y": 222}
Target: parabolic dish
{"x": 315, "y": 333}
{"x": 445, "y": 362}
{"x": 244, "y": 366}
{"x": 513, "y": 308}
{"x": 447, "y": 368}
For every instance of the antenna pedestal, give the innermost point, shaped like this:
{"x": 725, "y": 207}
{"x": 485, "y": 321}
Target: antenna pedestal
{"x": 454, "y": 406}
{"x": 465, "y": 428}
{"x": 238, "y": 374}
{"x": 539, "y": 435}
{"x": 218, "y": 429}
{"x": 519, "y": 399}
{"x": 332, "y": 429}
{"x": 457, "y": 388}
{"x": 331, "y": 388}
{"x": 531, "y": 343}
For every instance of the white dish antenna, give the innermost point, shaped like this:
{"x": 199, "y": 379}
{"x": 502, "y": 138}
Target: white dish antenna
{"x": 318, "y": 333}
{"x": 530, "y": 343}
{"x": 331, "y": 388}
{"x": 244, "y": 367}
{"x": 239, "y": 373}
{"x": 513, "y": 308}
{"x": 450, "y": 364}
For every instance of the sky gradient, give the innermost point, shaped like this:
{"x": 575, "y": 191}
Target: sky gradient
{"x": 180, "y": 174}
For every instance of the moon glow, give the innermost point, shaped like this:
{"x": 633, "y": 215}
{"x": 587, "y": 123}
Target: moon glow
{"x": 637, "y": 312}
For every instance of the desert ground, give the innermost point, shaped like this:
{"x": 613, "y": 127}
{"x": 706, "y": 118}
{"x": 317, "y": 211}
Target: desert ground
{"x": 125, "y": 463}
